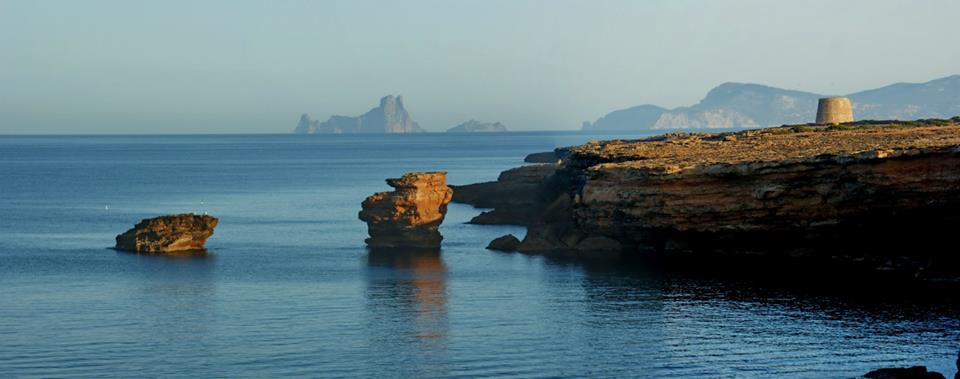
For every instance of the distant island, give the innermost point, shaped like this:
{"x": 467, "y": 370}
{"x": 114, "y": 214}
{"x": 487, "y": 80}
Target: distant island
{"x": 734, "y": 105}
{"x": 389, "y": 117}
{"x": 474, "y": 126}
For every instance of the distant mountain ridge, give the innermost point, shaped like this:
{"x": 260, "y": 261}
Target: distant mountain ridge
{"x": 389, "y": 117}
{"x": 733, "y": 105}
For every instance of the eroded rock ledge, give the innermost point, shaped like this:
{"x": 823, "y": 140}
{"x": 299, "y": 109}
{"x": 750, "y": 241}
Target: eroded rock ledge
{"x": 883, "y": 193}
{"x": 168, "y": 234}
{"x": 410, "y": 215}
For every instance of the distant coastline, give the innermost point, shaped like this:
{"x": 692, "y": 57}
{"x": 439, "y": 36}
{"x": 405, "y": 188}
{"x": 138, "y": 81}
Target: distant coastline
{"x": 732, "y": 105}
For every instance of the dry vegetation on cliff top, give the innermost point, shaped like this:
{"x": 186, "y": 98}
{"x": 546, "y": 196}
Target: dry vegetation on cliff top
{"x": 676, "y": 152}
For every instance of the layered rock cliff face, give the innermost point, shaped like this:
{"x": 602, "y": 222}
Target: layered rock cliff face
{"x": 389, "y": 117}
{"x": 410, "y": 215}
{"x": 881, "y": 193}
{"x": 168, "y": 234}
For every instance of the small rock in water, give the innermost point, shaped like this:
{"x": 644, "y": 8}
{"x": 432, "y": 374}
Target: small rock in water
{"x": 168, "y": 234}
{"x": 915, "y": 372}
{"x": 508, "y": 242}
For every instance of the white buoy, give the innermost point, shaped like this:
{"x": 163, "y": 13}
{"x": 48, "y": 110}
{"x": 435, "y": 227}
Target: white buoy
{"x": 106, "y": 207}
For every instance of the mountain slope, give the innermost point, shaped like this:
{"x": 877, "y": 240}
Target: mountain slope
{"x": 733, "y": 105}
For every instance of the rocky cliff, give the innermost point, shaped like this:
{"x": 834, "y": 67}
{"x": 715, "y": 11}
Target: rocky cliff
{"x": 880, "y": 193}
{"x": 474, "y": 126}
{"x": 741, "y": 105}
{"x": 389, "y": 117}
{"x": 409, "y": 216}
{"x": 168, "y": 234}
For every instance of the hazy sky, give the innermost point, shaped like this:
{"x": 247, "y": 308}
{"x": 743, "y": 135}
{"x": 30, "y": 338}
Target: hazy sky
{"x": 254, "y": 66}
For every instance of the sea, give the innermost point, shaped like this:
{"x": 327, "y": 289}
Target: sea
{"x": 288, "y": 288}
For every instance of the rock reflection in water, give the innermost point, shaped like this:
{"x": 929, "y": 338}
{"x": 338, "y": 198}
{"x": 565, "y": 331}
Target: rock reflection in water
{"x": 407, "y": 307}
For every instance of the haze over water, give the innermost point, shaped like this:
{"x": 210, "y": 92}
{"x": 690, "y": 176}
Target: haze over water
{"x": 290, "y": 290}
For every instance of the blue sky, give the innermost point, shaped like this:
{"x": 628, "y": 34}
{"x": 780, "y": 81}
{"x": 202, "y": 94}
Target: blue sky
{"x": 236, "y": 66}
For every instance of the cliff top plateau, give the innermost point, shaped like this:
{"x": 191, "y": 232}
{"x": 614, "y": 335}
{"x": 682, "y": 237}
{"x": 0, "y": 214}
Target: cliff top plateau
{"x": 681, "y": 152}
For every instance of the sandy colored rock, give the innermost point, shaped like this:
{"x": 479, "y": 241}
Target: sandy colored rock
{"x": 410, "y": 215}
{"x": 168, "y": 234}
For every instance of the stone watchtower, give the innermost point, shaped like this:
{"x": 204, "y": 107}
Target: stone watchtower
{"x": 834, "y": 110}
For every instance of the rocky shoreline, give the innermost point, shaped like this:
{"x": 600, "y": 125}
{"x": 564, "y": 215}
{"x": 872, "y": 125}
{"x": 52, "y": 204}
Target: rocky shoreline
{"x": 880, "y": 195}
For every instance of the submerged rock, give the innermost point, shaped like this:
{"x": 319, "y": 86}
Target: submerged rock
{"x": 168, "y": 234}
{"x": 508, "y": 242}
{"x": 915, "y": 372}
{"x": 410, "y": 215}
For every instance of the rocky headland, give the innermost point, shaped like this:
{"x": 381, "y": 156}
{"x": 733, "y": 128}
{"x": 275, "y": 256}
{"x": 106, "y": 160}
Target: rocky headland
{"x": 168, "y": 234}
{"x": 389, "y": 117}
{"x": 876, "y": 194}
{"x": 409, "y": 216}
{"x": 474, "y": 126}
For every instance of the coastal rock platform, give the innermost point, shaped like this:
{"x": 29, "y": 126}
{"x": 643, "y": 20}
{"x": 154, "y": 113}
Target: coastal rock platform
{"x": 880, "y": 192}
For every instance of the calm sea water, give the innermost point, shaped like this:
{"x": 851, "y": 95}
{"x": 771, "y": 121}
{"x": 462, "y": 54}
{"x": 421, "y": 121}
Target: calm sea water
{"x": 290, "y": 290}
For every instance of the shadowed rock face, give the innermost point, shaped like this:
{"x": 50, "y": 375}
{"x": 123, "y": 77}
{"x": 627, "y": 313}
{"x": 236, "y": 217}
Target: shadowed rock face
{"x": 410, "y": 215}
{"x": 508, "y": 242}
{"x": 168, "y": 234}
{"x": 516, "y": 196}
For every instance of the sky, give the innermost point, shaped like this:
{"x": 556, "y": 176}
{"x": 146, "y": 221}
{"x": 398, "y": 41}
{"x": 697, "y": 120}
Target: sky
{"x": 171, "y": 66}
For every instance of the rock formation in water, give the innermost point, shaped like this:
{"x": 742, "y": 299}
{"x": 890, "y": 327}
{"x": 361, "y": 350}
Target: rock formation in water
{"x": 915, "y": 372}
{"x": 879, "y": 193}
{"x": 508, "y": 242}
{"x": 734, "y": 105}
{"x": 389, "y": 117}
{"x": 410, "y": 215}
{"x": 474, "y": 126}
{"x": 168, "y": 234}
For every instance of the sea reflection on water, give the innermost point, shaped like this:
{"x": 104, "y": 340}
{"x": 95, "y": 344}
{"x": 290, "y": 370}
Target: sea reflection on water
{"x": 288, "y": 289}
{"x": 407, "y": 308}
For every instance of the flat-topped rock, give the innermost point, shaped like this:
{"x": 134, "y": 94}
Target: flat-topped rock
{"x": 677, "y": 153}
{"x": 168, "y": 234}
{"x": 410, "y": 215}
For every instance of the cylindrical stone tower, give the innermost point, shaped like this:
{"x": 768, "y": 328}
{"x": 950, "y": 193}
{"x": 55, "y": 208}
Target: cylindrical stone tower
{"x": 834, "y": 110}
